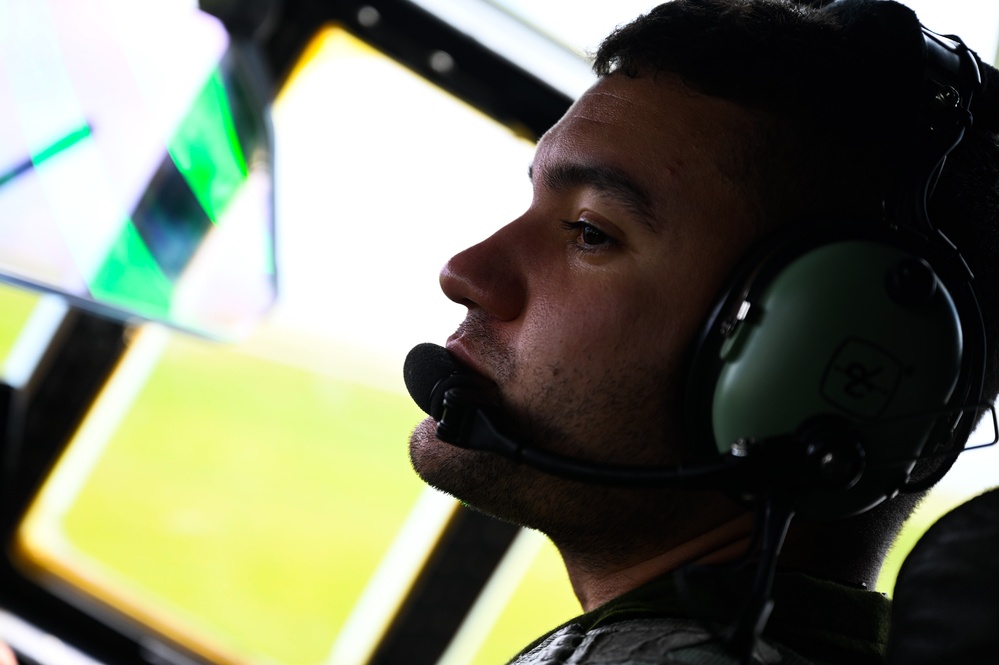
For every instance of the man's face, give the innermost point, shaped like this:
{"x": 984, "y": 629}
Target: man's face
{"x": 581, "y": 310}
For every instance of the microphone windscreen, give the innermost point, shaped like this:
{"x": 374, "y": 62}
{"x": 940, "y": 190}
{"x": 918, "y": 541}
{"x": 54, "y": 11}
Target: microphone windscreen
{"x": 426, "y": 365}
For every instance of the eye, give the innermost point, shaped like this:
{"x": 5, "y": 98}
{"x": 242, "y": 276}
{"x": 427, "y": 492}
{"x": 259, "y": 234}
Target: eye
{"x": 586, "y": 235}
{"x": 591, "y": 235}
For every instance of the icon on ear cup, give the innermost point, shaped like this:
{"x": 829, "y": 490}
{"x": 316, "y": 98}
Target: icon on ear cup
{"x": 861, "y": 379}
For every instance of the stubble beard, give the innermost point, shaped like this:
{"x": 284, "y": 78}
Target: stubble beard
{"x": 587, "y": 519}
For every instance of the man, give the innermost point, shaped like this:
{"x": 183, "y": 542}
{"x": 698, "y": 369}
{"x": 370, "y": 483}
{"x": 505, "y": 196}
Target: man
{"x": 715, "y": 125}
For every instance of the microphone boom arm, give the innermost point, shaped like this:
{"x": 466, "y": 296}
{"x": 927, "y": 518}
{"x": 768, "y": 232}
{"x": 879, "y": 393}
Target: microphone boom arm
{"x": 465, "y": 423}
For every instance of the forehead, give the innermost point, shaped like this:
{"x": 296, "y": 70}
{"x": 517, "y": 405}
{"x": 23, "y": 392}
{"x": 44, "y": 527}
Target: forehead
{"x": 653, "y": 130}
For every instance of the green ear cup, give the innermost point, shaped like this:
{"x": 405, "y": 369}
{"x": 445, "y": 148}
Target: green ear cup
{"x": 858, "y": 329}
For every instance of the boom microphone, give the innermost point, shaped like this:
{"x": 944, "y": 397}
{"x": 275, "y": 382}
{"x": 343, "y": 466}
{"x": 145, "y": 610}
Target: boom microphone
{"x": 466, "y": 416}
{"x": 426, "y": 366}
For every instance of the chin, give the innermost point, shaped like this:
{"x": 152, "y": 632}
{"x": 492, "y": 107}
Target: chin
{"x": 484, "y": 481}
{"x": 426, "y": 451}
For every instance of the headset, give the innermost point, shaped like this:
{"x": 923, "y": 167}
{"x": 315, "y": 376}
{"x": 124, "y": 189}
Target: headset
{"x": 861, "y": 337}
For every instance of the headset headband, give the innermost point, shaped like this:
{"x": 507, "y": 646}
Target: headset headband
{"x": 952, "y": 78}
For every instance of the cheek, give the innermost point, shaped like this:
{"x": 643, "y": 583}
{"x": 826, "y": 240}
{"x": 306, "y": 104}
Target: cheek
{"x": 601, "y": 323}
{"x": 589, "y": 373}
{"x": 647, "y": 312}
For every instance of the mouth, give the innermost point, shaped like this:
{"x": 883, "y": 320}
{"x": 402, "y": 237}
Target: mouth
{"x": 477, "y": 376}
{"x": 466, "y": 360}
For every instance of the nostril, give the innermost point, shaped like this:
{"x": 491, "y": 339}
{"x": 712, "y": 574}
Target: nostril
{"x": 487, "y": 277}
{"x": 456, "y": 285}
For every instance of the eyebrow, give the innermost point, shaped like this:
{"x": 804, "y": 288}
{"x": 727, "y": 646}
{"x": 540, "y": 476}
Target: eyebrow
{"x": 607, "y": 180}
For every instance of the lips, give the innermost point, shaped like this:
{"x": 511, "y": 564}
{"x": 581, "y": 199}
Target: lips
{"x": 470, "y": 365}
{"x": 456, "y": 347}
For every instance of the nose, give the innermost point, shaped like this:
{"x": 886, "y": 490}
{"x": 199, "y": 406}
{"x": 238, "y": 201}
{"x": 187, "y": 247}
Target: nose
{"x": 489, "y": 276}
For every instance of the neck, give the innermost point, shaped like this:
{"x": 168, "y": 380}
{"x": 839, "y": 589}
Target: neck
{"x": 837, "y": 551}
{"x": 596, "y": 583}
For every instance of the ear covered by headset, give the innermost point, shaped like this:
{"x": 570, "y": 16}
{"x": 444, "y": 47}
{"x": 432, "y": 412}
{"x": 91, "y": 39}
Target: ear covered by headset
{"x": 839, "y": 322}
